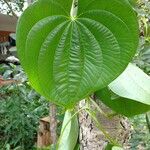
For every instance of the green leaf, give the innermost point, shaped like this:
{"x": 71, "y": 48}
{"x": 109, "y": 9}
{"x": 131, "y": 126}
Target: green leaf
{"x": 129, "y": 94}
{"x": 77, "y": 147}
{"x": 117, "y": 148}
{"x": 112, "y": 147}
{"x": 109, "y": 146}
{"x": 69, "y": 133}
{"x": 134, "y": 84}
{"x": 69, "y": 57}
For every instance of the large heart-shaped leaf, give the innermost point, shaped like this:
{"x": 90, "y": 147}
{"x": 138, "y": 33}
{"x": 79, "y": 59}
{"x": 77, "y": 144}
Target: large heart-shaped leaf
{"x": 68, "y": 57}
{"x": 129, "y": 94}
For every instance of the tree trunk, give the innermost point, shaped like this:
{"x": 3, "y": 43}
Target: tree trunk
{"x": 44, "y": 136}
{"x": 53, "y": 123}
{"x": 92, "y": 138}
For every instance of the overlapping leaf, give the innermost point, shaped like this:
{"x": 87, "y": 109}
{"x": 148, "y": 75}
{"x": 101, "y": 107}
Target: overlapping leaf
{"x": 67, "y": 59}
{"x": 69, "y": 132}
{"x": 129, "y": 94}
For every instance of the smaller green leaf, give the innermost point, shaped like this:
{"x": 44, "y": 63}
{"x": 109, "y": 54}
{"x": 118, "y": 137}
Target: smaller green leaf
{"x": 129, "y": 94}
{"x": 124, "y": 106}
{"x": 69, "y": 132}
{"x": 134, "y": 84}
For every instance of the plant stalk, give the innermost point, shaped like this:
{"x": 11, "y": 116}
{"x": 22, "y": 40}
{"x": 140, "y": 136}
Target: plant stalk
{"x": 111, "y": 140}
{"x": 74, "y": 9}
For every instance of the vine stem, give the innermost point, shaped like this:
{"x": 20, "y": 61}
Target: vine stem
{"x": 111, "y": 140}
{"x": 98, "y": 108}
{"x": 99, "y": 126}
{"x": 109, "y": 115}
{"x": 147, "y": 121}
{"x": 87, "y": 109}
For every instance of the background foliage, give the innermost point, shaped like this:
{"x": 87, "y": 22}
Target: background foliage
{"x": 142, "y": 58}
{"x": 141, "y": 136}
{"x": 12, "y": 7}
{"x": 20, "y": 110}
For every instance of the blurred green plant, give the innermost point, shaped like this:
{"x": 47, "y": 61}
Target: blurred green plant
{"x": 140, "y": 139}
{"x": 142, "y": 58}
{"x": 20, "y": 110}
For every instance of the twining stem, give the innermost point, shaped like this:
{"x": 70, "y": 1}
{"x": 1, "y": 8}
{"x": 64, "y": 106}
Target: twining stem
{"x": 148, "y": 121}
{"x": 74, "y": 9}
{"x": 99, "y": 126}
{"x": 98, "y": 108}
{"x": 109, "y": 115}
{"x": 111, "y": 140}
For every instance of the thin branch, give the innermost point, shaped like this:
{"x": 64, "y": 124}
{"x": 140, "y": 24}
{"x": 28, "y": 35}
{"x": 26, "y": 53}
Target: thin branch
{"x": 111, "y": 140}
{"x": 10, "y": 8}
{"x": 148, "y": 121}
{"x": 74, "y": 9}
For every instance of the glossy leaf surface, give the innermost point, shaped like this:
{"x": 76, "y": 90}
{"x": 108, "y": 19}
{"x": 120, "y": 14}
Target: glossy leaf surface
{"x": 67, "y": 58}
